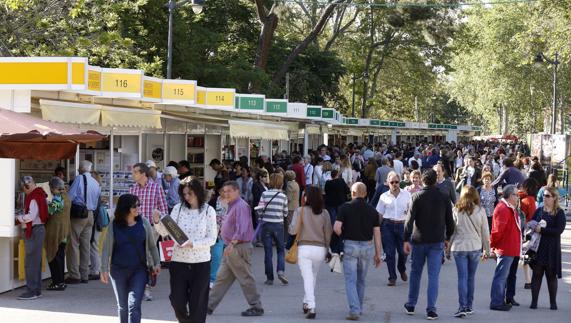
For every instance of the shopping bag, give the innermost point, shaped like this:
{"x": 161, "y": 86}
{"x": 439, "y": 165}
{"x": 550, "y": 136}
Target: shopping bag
{"x": 336, "y": 264}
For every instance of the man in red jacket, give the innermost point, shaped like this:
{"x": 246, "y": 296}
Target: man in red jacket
{"x": 505, "y": 241}
{"x": 298, "y": 168}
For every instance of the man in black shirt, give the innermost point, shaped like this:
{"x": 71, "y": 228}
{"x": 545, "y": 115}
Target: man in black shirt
{"x": 429, "y": 226}
{"x": 358, "y": 224}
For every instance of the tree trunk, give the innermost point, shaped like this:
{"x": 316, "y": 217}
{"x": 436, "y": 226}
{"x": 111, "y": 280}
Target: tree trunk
{"x": 269, "y": 25}
{"x": 317, "y": 28}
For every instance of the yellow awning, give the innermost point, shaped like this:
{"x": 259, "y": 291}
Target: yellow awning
{"x": 67, "y": 112}
{"x": 119, "y": 117}
{"x": 256, "y": 130}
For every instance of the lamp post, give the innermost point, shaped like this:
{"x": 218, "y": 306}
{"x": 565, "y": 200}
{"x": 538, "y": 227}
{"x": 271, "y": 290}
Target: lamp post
{"x": 540, "y": 58}
{"x": 197, "y": 6}
{"x": 354, "y": 78}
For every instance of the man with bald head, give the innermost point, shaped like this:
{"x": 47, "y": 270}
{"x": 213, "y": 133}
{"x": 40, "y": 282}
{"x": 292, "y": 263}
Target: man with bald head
{"x": 358, "y": 225}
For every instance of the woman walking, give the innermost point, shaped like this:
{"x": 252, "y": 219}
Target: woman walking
{"x": 313, "y": 227}
{"x": 274, "y": 212}
{"x": 128, "y": 253}
{"x": 470, "y": 237}
{"x": 548, "y": 257}
{"x": 416, "y": 183}
{"x": 488, "y": 197}
{"x": 190, "y": 265}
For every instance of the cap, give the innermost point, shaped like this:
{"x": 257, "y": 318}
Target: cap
{"x": 170, "y": 170}
{"x": 150, "y": 163}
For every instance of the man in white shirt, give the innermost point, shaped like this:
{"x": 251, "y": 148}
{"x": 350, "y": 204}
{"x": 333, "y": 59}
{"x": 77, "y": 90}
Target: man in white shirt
{"x": 308, "y": 170}
{"x": 393, "y": 207}
{"x": 398, "y": 164}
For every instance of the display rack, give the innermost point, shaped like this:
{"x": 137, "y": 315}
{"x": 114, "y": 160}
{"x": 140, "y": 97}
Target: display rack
{"x": 195, "y": 155}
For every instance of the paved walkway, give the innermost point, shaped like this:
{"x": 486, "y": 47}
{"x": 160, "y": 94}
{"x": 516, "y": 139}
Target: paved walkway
{"x": 95, "y": 302}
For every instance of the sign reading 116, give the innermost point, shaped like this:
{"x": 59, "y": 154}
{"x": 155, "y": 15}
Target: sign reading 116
{"x": 121, "y": 83}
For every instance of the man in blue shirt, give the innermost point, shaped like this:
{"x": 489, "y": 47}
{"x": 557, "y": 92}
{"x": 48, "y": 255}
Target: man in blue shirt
{"x": 80, "y": 234}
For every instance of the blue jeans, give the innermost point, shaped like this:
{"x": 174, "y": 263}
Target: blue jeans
{"x": 466, "y": 265}
{"x": 431, "y": 253}
{"x": 129, "y": 286}
{"x": 498, "y": 292}
{"x": 392, "y": 235}
{"x": 216, "y": 254}
{"x": 273, "y": 232}
{"x": 356, "y": 258}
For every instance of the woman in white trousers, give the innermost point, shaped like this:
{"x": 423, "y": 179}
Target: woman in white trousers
{"x": 313, "y": 227}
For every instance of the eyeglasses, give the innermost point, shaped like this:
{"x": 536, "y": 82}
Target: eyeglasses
{"x": 547, "y": 196}
{"x": 394, "y": 182}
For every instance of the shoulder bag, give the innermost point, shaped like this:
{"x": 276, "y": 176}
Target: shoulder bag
{"x": 79, "y": 211}
{"x": 261, "y": 218}
{"x": 291, "y": 256}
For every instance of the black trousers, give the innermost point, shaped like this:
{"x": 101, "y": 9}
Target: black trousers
{"x": 536, "y": 279}
{"x": 189, "y": 290}
{"x": 57, "y": 265}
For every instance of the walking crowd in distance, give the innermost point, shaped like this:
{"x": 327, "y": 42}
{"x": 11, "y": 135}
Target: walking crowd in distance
{"x": 351, "y": 207}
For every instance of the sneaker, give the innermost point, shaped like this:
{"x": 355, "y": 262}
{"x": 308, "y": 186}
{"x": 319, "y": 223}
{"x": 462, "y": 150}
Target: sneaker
{"x": 29, "y": 296}
{"x": 392, "y": 282}
{"x": 352, "y": 317}
{"x": 269, "y": 282}
{"x": 461, "y": 313}
{"x": 468, "y": 311}
{"x": 56, "y": 287}
{"x": 253, "y": 311}
{"x": 431, "y": 315}
{"x": 283, "y": 279}
{"x": 409, "y": 309}
{"x": 148, "y": 297}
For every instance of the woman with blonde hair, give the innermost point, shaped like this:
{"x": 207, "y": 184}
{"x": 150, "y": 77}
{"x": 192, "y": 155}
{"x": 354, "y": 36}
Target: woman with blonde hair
{"x": 416, "y": 184}
{"x": 470, "y": 238}
{"x": 548, "y": 257}
{"x": 346, "y": 170}
{"x": 326, "y": 175}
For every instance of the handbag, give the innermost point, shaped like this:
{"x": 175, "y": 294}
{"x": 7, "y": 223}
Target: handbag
{"x": 291, "y": 256}
{"x": 336, "y": 264}
{"x": 79, "y": 211}
{"x": 261, "y": 219}
{"x": 102, "y": 218}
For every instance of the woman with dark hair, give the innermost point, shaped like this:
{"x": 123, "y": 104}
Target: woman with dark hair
{"x": 527, "y": 205}
{"x": 129, "y": 251}
{"x": 313, "y": 235}
{"x": 190, "y": 263}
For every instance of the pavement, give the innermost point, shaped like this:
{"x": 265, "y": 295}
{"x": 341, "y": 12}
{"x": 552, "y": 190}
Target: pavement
{"x": 95, "y": 302}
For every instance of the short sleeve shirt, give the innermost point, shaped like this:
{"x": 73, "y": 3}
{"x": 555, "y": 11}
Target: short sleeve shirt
{"x": 394, "y": 208}
{"x": 359, "y": 219}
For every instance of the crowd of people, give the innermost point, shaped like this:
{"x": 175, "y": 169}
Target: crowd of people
{"x": 358, "y": 203}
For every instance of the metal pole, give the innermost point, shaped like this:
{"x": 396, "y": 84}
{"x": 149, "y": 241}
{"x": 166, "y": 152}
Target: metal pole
{"x": 554, "y": 107}
{"x": 169, "y": 51}
{"x": 287, "y": 87}
{"x": 353, "y": 106}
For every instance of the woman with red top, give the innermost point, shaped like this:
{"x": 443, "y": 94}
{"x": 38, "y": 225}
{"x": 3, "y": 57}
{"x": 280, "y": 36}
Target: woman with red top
{"x": 527, "y": 205}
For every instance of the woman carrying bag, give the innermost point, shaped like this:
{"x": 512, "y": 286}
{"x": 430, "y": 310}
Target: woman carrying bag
{"x": 190, "y": 263}
{"x": 548, "y": 257}
{"x": 313, "y": 227}
{"x": 129, "y": 253}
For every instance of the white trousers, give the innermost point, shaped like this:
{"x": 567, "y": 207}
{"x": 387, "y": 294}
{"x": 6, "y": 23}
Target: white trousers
{"x": 309, "y": 258}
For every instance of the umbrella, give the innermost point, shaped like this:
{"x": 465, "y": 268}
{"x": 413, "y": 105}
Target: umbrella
{"x": 23, "y": 136}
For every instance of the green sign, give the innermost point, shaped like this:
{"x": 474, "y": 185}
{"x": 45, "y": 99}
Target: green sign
{"x": 384, "y": 123}
{"x": 327, "y": 113}
{"x": 375, "y": 122}
{"x": 352, "y": 121}
{"x": 253, "y": 103}
{"x": 431, "y": 126}
{"x": 276, "y": 106}
{"x": 313, "y": 111}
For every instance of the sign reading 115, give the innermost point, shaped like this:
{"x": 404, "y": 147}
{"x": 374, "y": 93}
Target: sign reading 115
{"x": 121, "y": 83}
{"x": 178, "y": 91}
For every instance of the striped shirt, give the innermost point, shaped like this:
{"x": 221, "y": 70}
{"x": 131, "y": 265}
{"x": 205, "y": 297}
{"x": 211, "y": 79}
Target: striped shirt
{"x": 275, "y": 211}
{"x": 151, "y": 196}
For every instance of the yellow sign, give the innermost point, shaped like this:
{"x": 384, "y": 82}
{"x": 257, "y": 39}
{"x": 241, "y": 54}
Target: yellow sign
{"x": 33, "y": 73}
{"x": 201, "y": 96}
{"x": 120, "y": 82}
{"x": 180, "y": 91}
{"x": 78, "y": 73}
{"x": 94, "y": 80}
{"x": 152, "y": 89}
{"x": 219, "y": 98}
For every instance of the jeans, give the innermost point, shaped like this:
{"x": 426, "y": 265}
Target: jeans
{"x": 273, "y": 232}
{"x": 431, "y": 253}
{"x": 511, "y": 280}
{"x": 129, "y": 286}
{"x": 392, "y": 235}
{"x": 309, "y": 259}
{"x": 466, "y": 265}
{"x": 497, "y": 293}
{"x": 216, "y": 253}
{"x": 356, "y": 258}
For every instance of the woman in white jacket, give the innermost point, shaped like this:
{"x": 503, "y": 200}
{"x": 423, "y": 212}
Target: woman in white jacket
{"x": 190, "y": 263}
{"x": 469, "y": 243}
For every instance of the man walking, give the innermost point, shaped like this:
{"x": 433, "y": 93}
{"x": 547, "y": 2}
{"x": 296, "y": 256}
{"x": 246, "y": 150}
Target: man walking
{"x": 505, "y": 241}
{"x": 151, "y": 197}
{"x": 358, "y": 224}
{"x": 237, "y": 232}
{"x": 428, "y": 228}
{"x": 84, "y": 191}
{"x": 393, "y": 207}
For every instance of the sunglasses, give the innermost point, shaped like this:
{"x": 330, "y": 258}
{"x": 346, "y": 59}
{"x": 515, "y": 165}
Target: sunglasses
{"x": 395, "y": 182}
{"x": 547, "y": 196}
